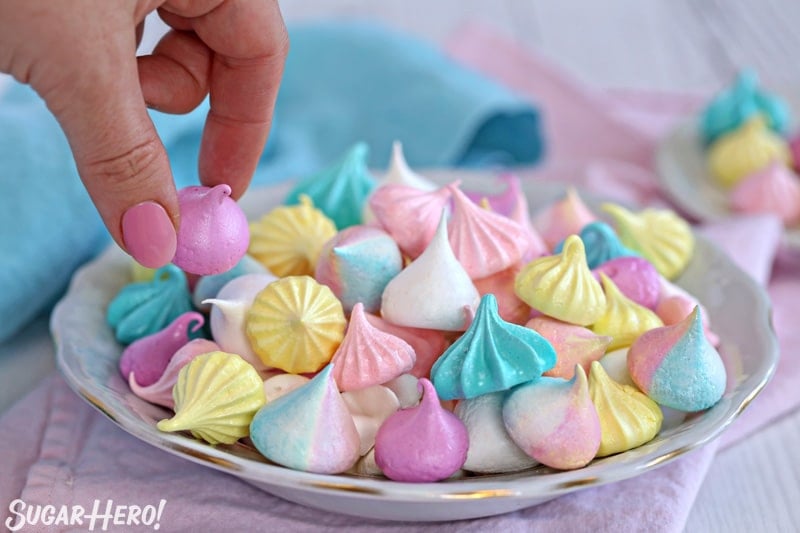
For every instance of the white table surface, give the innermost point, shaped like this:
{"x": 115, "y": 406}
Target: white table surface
{"x": 682, "y": 45}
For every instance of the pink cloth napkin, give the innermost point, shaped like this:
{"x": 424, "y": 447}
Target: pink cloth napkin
{"x": 64, "y": 452}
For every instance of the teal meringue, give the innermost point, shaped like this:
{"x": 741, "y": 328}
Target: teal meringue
{"x": 601, "y": 243}
{"x": 493, "y": 355}
{"x": 144, "y": 308}
{"x": 340, "y": 190}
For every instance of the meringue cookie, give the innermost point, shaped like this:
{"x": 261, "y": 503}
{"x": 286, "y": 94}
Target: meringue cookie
{"x": 554, "y": 421}
{"x": 433, "y": 291}
{"x": 288, "y": 240}
{"x": 635, "y": 277}
{"x": 491, "y": 450}
{"x": 160, "y": 391}
{"x": 308, "y": 429}
{"x": 216, "y": 396}
{"x": 141, "y": 273}
{"x": 406, "y": 388}
{"x": 615, "y": 363}
{"x": 773, "y": 189}
{"x": 357, "y": 264}
{"x": 677, "y": 367}
{"x": 340, "y": 190}
{"x": 492, "y": 355}
{"x": 624, "y": 319}
{"x": 428, "y": 344}
{"x": 501, "y": 285}
{"x": 601, "y": 244}
{"x": 368, "y": 356}
{"x": 562, "y": 286}
{"x": 282, "y": 384}
{"x": 295, "y": 324}
{"x": 423, "y": 443}
{"x": 675, "y": 304}
{"x": 658, "y": 235}
{"x": 628, "y": 418}
{"x": 141, "y": 309}
{"x": 149, "y": 356}
{"x": 574, "y": 345}
{"x": 369, "y": 408}
{"x": 209, "y": 286}
{"x": 563, "y": 218}
{"x": 366, "y": 466}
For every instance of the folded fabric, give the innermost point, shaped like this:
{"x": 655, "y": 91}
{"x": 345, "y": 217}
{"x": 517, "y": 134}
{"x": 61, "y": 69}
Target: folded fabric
{"x": 343, "y": 82}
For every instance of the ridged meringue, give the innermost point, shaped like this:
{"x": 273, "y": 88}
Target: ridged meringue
{"x": 624, "y": 319}
{"x": 149, "y": 356}
{"x": 554, "y": 421}
{"x": 628, "y": 418}
{"x": 738, "y": 154}
{"x": 601, "y": 244}
{"x": 213, "y": 234}
{"x": 428, "y": 344}
{"x": 677, "y": 367}
{"x": 141, "y": 309}
{"x": 340, "y": 190}
{"x": 370, "y": 407}
{"x": 484, "y": 242}
{"x": 562, "y": 286}
{"x": 433, "y": 292}
{"x": 288, "y": 239}
{"x": 308, "y": 429}
{"x": 295, "y": 324}
{"x": 773, "y": 189}
{"x": 423, "y": 443}
{"x": 635, "y": 277}
{"x": 209, "y": 286}
{"x": 491, "y": 449}
{"x": 563, "y": 218}
{"x": 216, "y": 396}
{"x": 492, "y": 355}
{"x": 574, "y": 345}
{"x": 410, "y": 215}
{"x": 659, "y": 235}
{"x": 357, "y": 264}
{"x": 368, "y": 356}
{"x": 501, "y": 285}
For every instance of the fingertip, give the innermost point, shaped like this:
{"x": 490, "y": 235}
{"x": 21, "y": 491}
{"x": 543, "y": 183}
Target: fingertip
{"x": 148, "y": 234}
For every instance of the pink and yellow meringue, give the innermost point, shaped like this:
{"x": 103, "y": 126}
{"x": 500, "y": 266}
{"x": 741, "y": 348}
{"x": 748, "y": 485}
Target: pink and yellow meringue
{"x": 773, "y": 189}
{"x": 574, "y": 345}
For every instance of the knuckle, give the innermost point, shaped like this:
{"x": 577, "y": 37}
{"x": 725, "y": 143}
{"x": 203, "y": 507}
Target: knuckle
{"x": 127, "y": 170}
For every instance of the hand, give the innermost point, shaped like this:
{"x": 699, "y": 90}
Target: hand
{"x": 80, "y": 56}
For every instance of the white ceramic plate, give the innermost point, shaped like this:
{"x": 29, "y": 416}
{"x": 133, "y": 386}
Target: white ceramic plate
{"x": 683, "y": 171}
{"x": 739, "y": 311}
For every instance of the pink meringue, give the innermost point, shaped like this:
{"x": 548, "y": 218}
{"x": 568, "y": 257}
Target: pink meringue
{"x": 512, "y": 308}
{"x": 675, "y": 304}
{"x": 635, "y": 277}
{"x": 563, "y": 218}
{"x": 574, "y": 345}
{"x": 428, "y": 344}
{"x": 774, "y": 189}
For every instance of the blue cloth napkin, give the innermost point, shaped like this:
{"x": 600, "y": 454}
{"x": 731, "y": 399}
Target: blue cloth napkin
{"x": 344, "y": 82}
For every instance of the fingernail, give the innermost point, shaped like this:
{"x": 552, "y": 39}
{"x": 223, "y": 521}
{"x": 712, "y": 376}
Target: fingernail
{"x": 149, "y": 235}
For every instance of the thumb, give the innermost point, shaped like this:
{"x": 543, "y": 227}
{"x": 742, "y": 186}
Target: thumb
{"x": 120, "y": 159}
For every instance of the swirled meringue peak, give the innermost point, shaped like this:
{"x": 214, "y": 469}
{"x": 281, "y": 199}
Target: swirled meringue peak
{"x": 340, "y": 190}
{"x": 149, "y": 356}
{"x": 368, "y": 356}
{"x": 491, "y": 449}
{"x": 562, "y": 286}
{"x": 229, "y": 313}
{"x": 308, "y": 429}
{"x": 635, "y": 277}
{"x": 433, "y": 292}
{"x": 213, "y": 235}
{"x": 773, "y": 189}
{"x": 423, "y": 443}
{"x": 563, "y": 218}
{"x": 369, "y": 408}
{"x": 554, "y": 421}
{"x": 144, "y": 308}
{"x": 574, "y": 345}
{"x": 624, "y": 319}
{"x": 216, "y": 396}
{"x": 492, "y": 355}
{"x": 658, "y": 235}
{"x": 742, "y": 152}
{"x": 295, "y": 324}
{"x": 160, "y": 392}
{"x": 288, "y": 239}
{"x": 357, "y": 264}
{"x": 601, "y": 244}
{"x": 677, "y": 367}
{"x": 428, "y": 344}
{"x": 410, "y": 215}
{"x": 628, "y": 418}
{"x": 484, "y": 242}
{"x": 209, "y": 286}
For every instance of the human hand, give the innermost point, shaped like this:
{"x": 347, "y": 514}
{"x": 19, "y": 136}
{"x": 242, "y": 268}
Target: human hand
{"x": 80, "y": 56}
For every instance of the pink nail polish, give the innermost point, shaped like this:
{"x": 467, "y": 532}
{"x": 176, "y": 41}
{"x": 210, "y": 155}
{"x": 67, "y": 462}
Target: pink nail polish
{"x": 149, "y": 235}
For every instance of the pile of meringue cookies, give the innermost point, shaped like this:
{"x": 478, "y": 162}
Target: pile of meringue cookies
{"x": 416, "y": 331}
{"x": 744, "y": 131}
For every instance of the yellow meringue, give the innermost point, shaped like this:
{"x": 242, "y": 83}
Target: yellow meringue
{"x": 216, "y": 396}
{"x": 289, "y": 239}
{"x": 628, "y": 418}
{"x": 141, "y": 273}
{"x": 295, "y": 324}
{"x": 659, "y": 235}
{"x": 624, "y": 319}
{"x": 748, "y": 149}
{"x": 562, "y": 286}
